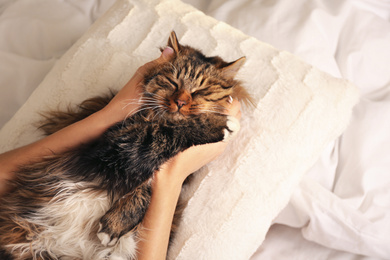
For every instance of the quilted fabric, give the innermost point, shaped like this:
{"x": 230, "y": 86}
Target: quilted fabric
{"x": 232, "y": 202}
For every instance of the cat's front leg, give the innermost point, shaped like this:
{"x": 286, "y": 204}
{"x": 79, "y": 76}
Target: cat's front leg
{"x": 210, "y": 129}
{"x": 125, "y": 214}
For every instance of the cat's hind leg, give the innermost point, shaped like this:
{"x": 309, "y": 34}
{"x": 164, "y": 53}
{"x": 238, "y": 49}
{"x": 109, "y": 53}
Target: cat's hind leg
{"x": 124, "y": 215}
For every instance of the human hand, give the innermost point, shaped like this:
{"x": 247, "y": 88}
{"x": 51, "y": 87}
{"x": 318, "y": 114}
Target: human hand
{"x": 177, "y": 169}
{"x": 126, "y": 101}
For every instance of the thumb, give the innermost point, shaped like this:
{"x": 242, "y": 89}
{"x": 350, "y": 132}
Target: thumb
{"x": 167, "y": 53}
{"x": 165, "y": 56}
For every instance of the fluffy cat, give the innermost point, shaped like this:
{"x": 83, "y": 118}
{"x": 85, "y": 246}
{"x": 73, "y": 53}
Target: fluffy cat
{"x": 89, "y": 202}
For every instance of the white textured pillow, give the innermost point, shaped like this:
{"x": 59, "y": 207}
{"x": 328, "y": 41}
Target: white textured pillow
{"x": 234, "y": 199}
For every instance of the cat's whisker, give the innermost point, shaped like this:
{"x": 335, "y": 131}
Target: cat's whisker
{"x": 152, "y": 97}
{"x": 210, "y": 111}
{"x": 88, "y": 181}
{"x": 147, "y": 107}
{"x": 206, "y": 109}
{"x": 131, "y": 99}
{"x": 218, "y": 107}
{"x": 155, "y": 96}
{"x": 133, "y": 111}
{"x": 143, "y": 99}
{"x": 130, "y": 103}
{"x": 154, "y": 108}
{"x": 141, "y": 102}
{"x": 161, "y": 110}
{"x": 148, "y": 103}
{"x": 145, "y": 103}
{"x": 137, "y": 110}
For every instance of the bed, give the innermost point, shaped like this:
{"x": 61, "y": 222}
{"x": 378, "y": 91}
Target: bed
{"x": 341, "y": 208}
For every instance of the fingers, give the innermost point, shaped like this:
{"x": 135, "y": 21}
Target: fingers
{"x": 234, "y": 108}
{"x": 192, "y": 159}
{"x": 133, "y": 90}
{"x": 195, "y": 157}
{"x": 167, "y": 53}
{"x": 165, "y": 56}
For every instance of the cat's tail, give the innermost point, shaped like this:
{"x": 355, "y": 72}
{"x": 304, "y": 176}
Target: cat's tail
{"x": 56, "y": 120}
{"x": 4, "y": 255}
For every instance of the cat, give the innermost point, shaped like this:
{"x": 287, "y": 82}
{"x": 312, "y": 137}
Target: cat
{"x": 88, "y": 203}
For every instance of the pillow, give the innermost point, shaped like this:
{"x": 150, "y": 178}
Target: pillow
{"x": 233, "y": 200}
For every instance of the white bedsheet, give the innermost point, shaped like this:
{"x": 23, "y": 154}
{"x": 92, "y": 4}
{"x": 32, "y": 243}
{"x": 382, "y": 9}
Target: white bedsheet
{"x": 342, "y": 208}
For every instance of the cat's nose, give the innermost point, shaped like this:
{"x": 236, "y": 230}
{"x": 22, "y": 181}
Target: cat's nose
{"x": 180, "y": 103}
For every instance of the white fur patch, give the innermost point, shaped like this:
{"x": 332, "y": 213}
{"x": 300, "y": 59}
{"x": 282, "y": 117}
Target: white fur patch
{"x": 70, "y": 225}
{"x": 233, "y": 126}
{"x": 104, "y": 238}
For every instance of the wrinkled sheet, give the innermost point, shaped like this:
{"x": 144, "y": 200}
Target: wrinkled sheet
{"x": 33, "y": 36}
{"x": 342, "y": 208}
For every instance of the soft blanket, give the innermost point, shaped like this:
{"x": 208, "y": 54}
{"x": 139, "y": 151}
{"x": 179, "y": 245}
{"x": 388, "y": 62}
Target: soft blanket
{"x": 232, "y": 202}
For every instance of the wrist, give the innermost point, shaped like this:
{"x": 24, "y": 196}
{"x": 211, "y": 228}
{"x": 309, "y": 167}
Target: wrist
{"x": 106, "y": 117}
{"x": 167, "y": 181}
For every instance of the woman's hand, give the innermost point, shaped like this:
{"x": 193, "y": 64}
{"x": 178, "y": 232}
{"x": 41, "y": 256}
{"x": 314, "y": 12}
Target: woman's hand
{"x": 126, "y": 101}
{"x": 179, "y": 167}
{"x": 80, "y": 132}
{"x": 166, "y": 187}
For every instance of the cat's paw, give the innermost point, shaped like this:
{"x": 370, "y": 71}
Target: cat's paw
{"x": 107, "y": 236}
{"x": 232, "y": 128}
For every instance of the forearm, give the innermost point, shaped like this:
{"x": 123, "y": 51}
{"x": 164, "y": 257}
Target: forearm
{"x": 167, "y": 183}
{"x": 156, "y": 225}
{"x": 82, "y": 131}
{"x": 61, "y": 141}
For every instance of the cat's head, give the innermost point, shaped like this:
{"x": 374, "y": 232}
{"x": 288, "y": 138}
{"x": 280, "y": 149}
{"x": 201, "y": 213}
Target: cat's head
{"x": 191, "y": 83}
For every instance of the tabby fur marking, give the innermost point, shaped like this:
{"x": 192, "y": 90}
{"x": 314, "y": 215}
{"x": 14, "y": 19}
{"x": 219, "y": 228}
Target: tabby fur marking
{"x": 88, "y": 203}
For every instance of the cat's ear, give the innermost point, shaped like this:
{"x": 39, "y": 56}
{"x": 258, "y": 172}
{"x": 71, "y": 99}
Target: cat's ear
{"x": 230, "y": 69}
{"x": 173, "y": 42}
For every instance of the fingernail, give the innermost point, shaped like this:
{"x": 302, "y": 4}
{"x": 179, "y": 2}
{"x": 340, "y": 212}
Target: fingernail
{"x": 167, "y": 52}
{"x": 230, "y": 100}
